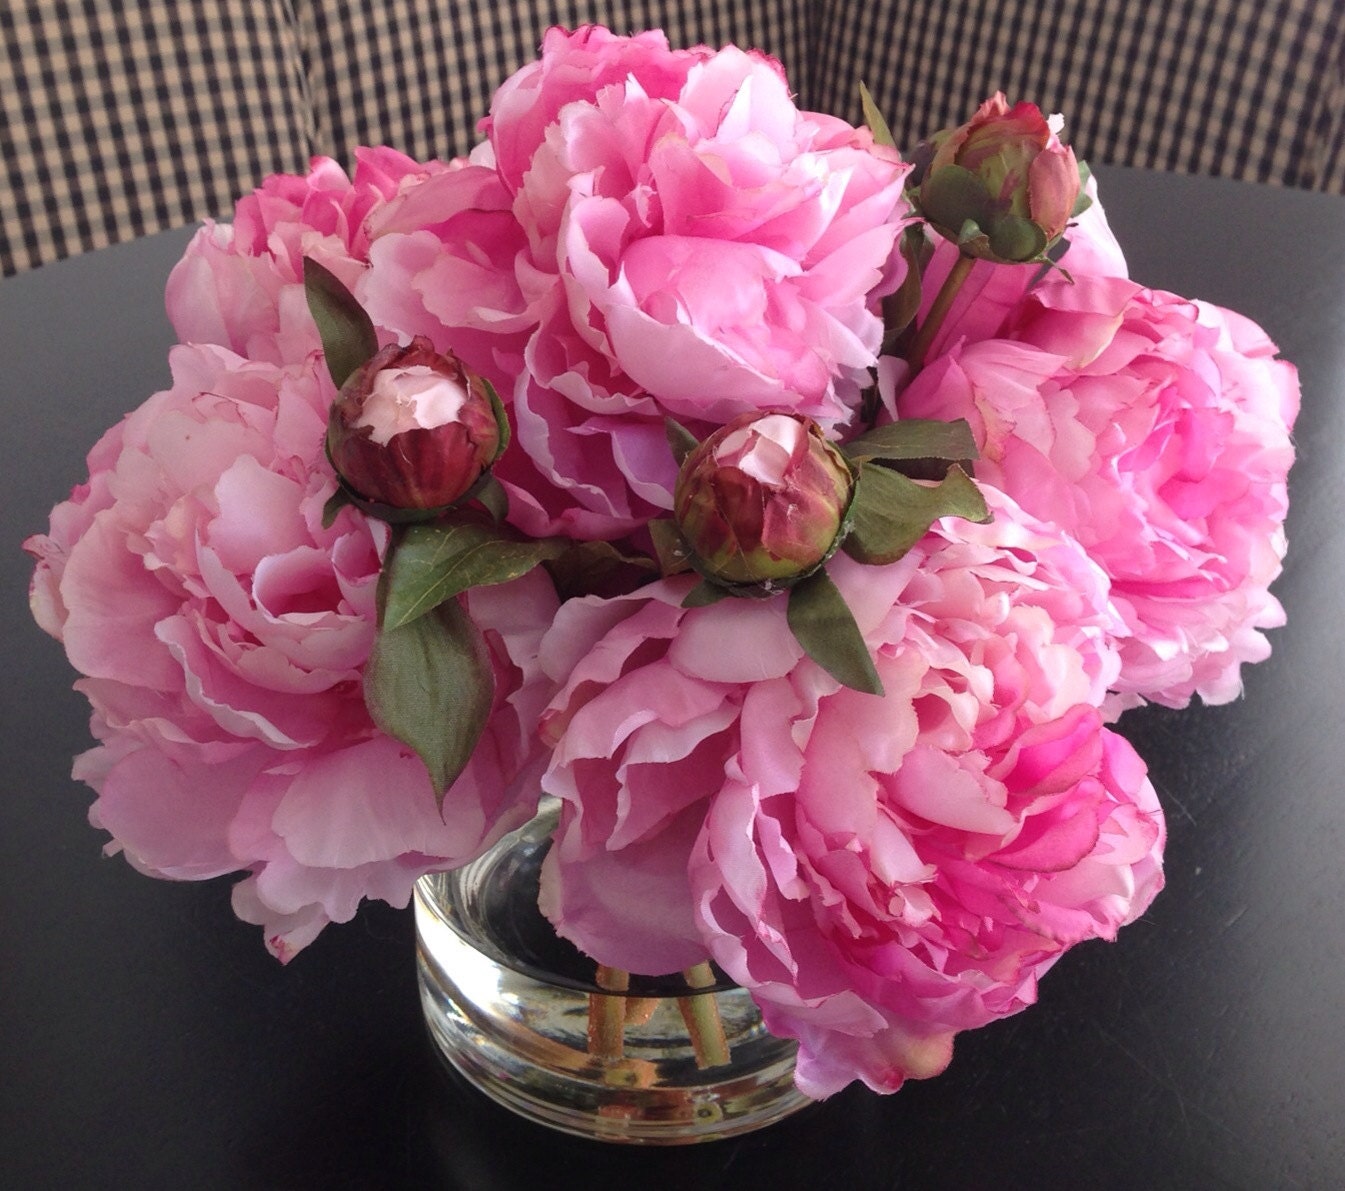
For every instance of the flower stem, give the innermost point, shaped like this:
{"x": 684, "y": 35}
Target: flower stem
{"x": 640, "y": 1009}
{"x": 943, "y": 303}
{"x": 701, "y": 1014}
{"x": 607, "y": 1015}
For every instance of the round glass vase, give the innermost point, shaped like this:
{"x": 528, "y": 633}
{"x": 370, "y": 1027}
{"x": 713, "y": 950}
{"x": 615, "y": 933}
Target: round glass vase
{"x": 518, "y": 1012}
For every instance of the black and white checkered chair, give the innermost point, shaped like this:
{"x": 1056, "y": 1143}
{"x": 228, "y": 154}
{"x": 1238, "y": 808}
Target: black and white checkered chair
{"x": 123, "y": 117}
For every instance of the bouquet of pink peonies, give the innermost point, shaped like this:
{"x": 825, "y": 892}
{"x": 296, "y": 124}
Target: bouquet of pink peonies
{"x": 798, "y": 514}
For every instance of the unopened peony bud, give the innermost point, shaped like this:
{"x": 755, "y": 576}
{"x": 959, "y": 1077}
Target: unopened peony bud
{"x": 1002, "y": 186}
{"x": 412, "y": 428}
{"x": 763, "y": 499}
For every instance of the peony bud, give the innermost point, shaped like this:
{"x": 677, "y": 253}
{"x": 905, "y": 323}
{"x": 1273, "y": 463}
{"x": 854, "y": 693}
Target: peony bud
{"x": 1002, "y": 186}
{"x": 412, "y": 428}
{"x": 762, "y": 499}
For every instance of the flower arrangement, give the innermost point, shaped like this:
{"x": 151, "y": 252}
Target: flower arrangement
{"x": 630, "y": 460}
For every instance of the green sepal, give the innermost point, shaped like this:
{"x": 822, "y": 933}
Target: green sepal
{"x": 598, "y": 568}
{"x": 501, "y": 418}
{"x": 873, "y": 117}
{"x": 429, "y": 564}
{"x": 1083, "y": 202}
{"x": 674, "y": 555}
{"x": 952, "y": 196}
{"x": 704, "y": 594}
{"x": 892, "y": 512}
{"x": 922, "y": 448}
{"x": 347, "y": 331}
{"x": 1014, "y": 239}
{"x": 430, "y": 685}
{"x": 680, "y": 440}
{"x": 337, "y": 501}
{"x": 825, "y": 627}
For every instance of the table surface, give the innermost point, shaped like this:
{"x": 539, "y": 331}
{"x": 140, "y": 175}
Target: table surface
{"x": 148, "y": 1041}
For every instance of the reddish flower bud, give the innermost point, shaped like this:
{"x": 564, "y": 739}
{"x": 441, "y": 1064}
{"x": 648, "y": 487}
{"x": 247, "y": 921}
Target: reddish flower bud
{"x": 762, "y": 499}
{"x": 412, "y": 428}
{"x": 1002, "y": 186}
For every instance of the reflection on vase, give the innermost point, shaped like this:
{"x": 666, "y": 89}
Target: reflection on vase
{"x": 516, "y": 1011}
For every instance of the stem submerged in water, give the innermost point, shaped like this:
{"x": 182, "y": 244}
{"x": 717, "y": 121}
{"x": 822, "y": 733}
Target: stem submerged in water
{"x": 607, "y": 1015}
{"x": 701, "y": 1014}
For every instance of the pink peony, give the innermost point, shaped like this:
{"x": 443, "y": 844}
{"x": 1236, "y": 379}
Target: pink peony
{"x": 240, "y": 284}
{"x": 880, "y": 872}
{"x": 441, "y": 264}
{"x": 697, "y": 247}
{"x": 1156, "y": 432}
{"x": 223, "y": 633}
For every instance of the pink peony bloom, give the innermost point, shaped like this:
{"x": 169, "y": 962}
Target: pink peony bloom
{"x": 223, "y": 631}
{"x": 1156, "y": 432}
{"x": 441, "y": 257}
{"x": 697, "y": 247}
{"x": 880, "y": 872}
{"x": 240, "y": 284}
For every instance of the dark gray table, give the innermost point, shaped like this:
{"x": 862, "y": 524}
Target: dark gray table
{"x": 148, "y": 1041}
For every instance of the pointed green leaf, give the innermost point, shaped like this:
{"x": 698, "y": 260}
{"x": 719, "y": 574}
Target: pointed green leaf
{"x": 916, "y": 439}
{"x": 433, "y": 563}
{"x": 704, "y": 594}
{"x": 901, "y": 307}
{"x": 873, "y": 117}
{"x": 429, "y": 684}
{"x": 348, "y": 336}
{"x": 891, "y": 512}
{"x": 335, "y": 503}
{"x": 825, "y": 627}
{"x": 680, "y": 439}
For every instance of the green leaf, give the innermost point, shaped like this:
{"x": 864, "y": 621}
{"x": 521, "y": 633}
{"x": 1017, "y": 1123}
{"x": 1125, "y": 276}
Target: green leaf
{"x": 873, "y": 117}
{"x": 916, "y": 440}
{"x": 704, "y": 594}
{"x": 680, "y": 439}
{"x": 429, "y": 684}
{"x": 598, "y": 568}
{"x": 348, "y": 336}
{"x": 431, "y": 564}
{"x": 824, "y": 626}
{"x": 335, "y": 503}
{"x": 901, "y": 307}
{"x": 891, "y": 512}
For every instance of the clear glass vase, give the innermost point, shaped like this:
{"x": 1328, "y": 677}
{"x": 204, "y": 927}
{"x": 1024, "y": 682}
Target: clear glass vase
{"x": 518, "y": 1012}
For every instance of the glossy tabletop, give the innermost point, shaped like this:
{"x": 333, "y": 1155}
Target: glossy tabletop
{"x": 148, "y": 1041}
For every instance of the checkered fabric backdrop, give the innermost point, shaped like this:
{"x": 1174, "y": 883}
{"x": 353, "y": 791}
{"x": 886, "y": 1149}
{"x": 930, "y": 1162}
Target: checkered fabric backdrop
{"x": 123, "y": 117}
{"x": 119, "y": 118}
